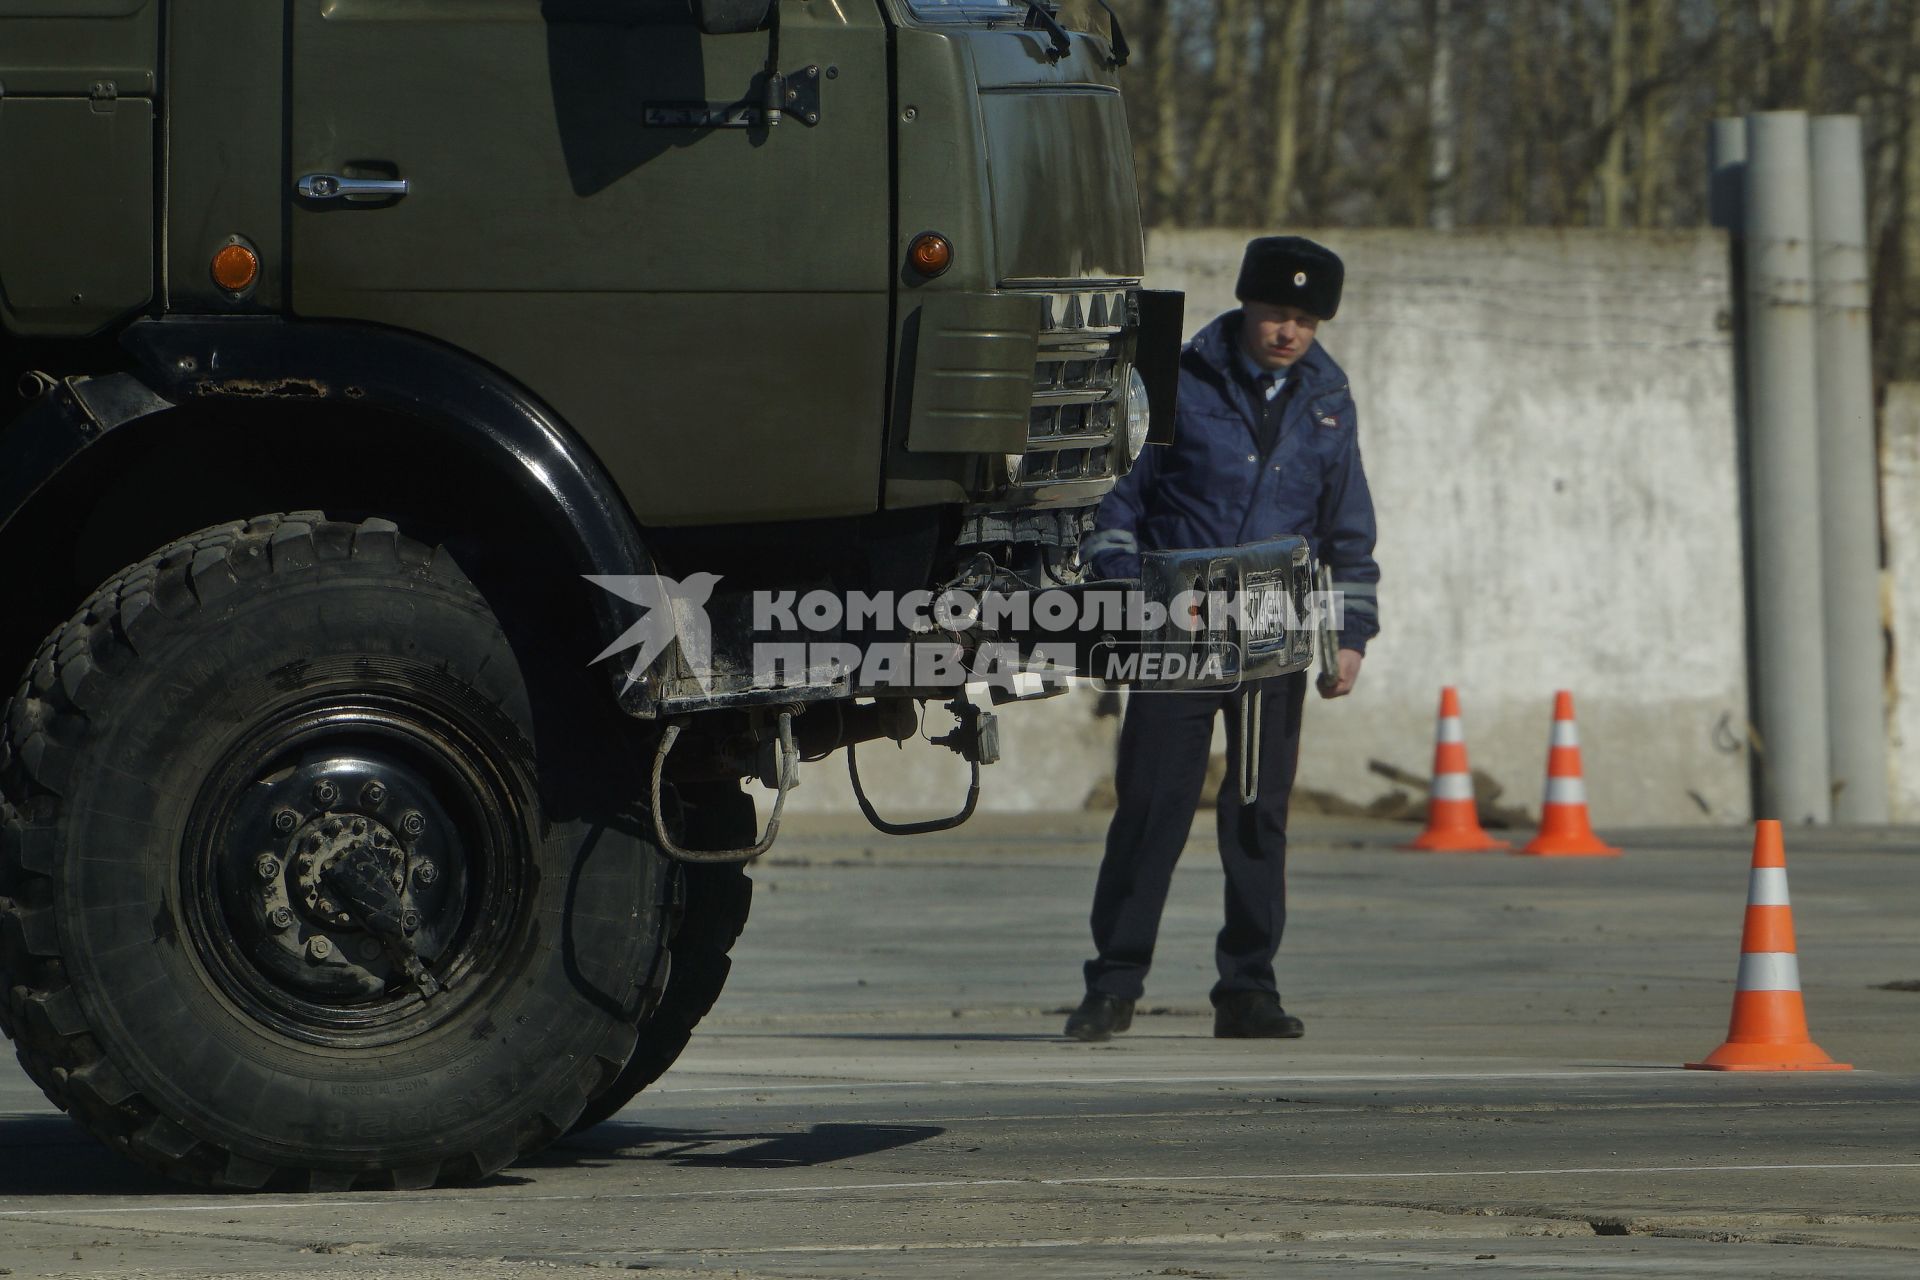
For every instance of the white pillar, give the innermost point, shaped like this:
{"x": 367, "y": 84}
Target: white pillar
{"x": 1785, "y": 462}
{"x": 1849, "y": 476}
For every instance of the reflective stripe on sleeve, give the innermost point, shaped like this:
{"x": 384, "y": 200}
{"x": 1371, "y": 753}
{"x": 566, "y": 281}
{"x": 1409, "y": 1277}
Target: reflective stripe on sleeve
{"x": 1108, "y": 540}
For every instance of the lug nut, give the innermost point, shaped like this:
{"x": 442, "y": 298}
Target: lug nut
{"x": 319, "y": 948}
{"x": 359, "y": 826}
{"x": 266, "y": 866}
{"x": 410, "y": 920}
{"x": 326, "y": 908}
{"x": 412, "y": 823}
{"x": 325, "y": 792}
{"x": 280, "y": 917}
{"x": 426, "y": 873}
{"x": 373, "y": 793}
{"x": 285, "y": 821}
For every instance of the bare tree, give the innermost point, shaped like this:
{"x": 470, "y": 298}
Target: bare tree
{"x": 1219, "y": 159}
{"x": 1332, "y": 65}
{"x": 1563, "y": 112}
{"x": 1441, "y": 122}
{"x": 1163, "y": 191}
{"x": 1613, "y": 167}
{"x": 1649, "y": 170}
{"x": 1813, "y": 51}
{"x": 1286, "y": 45}
{"x": 1522, "y": 22}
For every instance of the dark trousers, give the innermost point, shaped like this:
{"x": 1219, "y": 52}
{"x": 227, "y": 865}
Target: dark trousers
{"x": 1164, "y": 745}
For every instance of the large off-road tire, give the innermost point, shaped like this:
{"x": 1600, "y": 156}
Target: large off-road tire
{"x": 711, "y": 911}
{"x": 190, "y": 762}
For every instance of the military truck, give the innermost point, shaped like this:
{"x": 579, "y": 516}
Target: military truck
{"x": 366, "y": 352}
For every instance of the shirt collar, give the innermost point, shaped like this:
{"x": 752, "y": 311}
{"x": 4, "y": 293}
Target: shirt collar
{"x": 1266, "y": 380}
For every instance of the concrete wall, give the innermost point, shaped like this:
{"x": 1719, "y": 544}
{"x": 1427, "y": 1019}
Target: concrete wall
{"x": 1547, "y": 420}
{"x": 1899, "y": 498}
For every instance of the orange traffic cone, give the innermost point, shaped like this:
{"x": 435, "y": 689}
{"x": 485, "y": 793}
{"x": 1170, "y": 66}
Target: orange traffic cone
{"x": 1769, "y": 1028}
{"x": 1564, "y": 829}
{"x": 1453, "y": 824}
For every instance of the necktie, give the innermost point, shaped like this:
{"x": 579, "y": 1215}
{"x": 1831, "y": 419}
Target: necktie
{"x": 1272, "y": 410}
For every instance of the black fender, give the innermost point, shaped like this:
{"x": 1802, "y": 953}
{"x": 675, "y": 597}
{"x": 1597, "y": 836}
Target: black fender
{"x": 52, "y": 431}
{"x": 183, "y": 360}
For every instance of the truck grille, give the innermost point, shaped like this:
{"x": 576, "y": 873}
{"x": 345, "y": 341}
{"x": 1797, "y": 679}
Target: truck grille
{"x": 1079, "y": 388}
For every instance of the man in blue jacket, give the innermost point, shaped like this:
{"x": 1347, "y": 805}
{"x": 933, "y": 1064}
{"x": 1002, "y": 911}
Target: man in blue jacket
{"x": 1265, "y": 444}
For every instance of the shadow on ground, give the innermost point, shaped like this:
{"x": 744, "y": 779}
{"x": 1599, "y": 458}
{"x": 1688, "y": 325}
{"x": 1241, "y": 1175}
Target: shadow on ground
{"x": 937, "y": 1037}
{"x": 50, "y": 1155}
{"x": 619, "y": 1140}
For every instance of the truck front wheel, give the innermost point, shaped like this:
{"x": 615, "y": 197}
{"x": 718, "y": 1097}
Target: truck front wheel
{"x": 308, "y": 878}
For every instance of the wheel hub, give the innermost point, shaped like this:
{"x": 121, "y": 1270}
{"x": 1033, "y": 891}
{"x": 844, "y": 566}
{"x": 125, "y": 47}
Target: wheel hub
{"x": 321, "y": 844}
{"x": 306, "y": 840}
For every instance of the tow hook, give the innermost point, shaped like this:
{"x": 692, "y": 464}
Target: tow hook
{"x": 975, "y": 739}
{"x": 789, "y": 768}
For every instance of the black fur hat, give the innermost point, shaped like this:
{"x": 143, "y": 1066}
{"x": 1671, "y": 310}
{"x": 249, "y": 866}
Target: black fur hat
{"x": 1291, "y": 271}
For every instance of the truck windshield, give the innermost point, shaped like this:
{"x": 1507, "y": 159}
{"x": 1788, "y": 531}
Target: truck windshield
{"x": 1074, "y": 15}
{"x": 967, "y": 10}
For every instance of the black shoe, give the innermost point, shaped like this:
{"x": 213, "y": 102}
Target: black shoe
{"x": 1100, "y": 1018}
{"x": 1254, "y": 1015}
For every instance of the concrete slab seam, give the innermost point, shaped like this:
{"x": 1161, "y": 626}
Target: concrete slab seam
{"x": 52, "y": 1216}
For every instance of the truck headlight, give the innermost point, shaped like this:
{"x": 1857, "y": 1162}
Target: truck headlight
{"x": 1139, "y": 416}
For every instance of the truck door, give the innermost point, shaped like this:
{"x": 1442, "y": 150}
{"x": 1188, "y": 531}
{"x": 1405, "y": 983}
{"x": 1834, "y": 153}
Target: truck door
{"x": 592, "y": 205}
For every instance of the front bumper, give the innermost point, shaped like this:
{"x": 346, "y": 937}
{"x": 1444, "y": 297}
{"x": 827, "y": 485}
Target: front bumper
{"x": 1210, "y": 618}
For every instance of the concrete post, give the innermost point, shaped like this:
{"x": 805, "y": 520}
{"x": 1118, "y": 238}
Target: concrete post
{"x": 1726, "y": 173}
{"x": 1849, "y": 478}
{"x": 1785, "y": 453}
{"x": 1726, "y": 209}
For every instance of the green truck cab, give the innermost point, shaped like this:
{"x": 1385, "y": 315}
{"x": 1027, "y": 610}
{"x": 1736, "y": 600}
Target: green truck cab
{"x": 359, "y": 344}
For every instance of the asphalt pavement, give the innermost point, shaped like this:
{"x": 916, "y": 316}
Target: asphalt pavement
{"x": 1490, "y": 1084}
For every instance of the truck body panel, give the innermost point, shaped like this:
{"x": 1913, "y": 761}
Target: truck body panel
{"x": 679, "y": 294}
{"x": 76, "y": 148}
{"x": 226, "y": 157}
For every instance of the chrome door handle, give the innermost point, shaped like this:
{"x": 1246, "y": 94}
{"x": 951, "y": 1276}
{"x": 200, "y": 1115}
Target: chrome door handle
{"x": 333, "y": 186}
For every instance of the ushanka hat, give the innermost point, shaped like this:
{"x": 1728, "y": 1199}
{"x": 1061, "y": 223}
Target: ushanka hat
{"x": 1291, "y": 271}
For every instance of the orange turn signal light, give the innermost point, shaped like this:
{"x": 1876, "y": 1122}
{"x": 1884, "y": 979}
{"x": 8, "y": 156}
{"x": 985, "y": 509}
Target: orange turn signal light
{"x": 930, "y": 253}
{"x": 235, "y": 268}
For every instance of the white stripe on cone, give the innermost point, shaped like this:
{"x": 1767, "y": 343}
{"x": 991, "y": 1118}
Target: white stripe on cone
{"x": 1565, "y": 734}
{"x": 1566, "y": 791}
{"x": 1453, "y": 786}
{"x": 1449, "y": 730}
{"x": 1769, "y": 971}
{"x": 1767, "y": 887}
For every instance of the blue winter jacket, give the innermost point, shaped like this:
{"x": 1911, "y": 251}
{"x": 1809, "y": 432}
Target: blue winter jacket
{"x": 1211, "y": 487}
